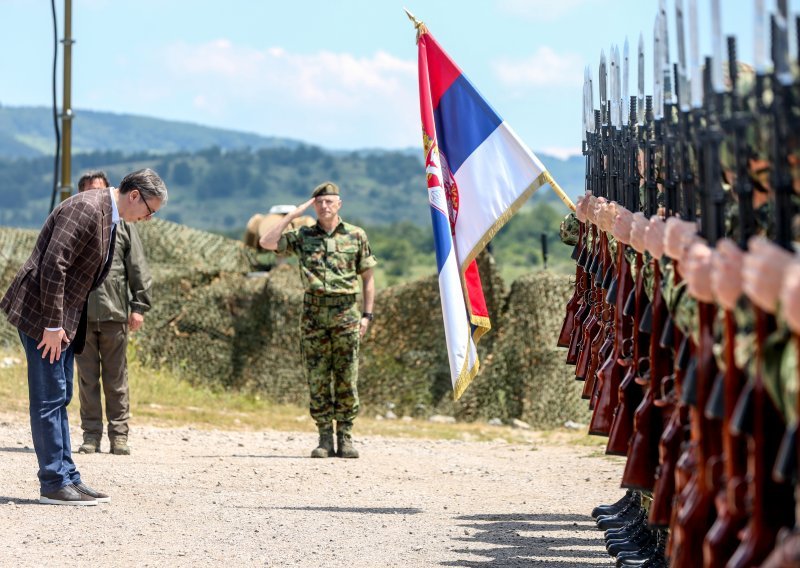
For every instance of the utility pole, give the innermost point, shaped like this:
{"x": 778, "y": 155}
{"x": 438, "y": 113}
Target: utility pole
{"x": 66, "y": 110}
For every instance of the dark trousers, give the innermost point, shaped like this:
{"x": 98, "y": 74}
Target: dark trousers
{"x": 104, "y": 355}
{"x": 50, "y": 391}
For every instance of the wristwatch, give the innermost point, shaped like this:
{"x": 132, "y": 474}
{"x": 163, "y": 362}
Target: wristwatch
{"x": 368, "y": 315}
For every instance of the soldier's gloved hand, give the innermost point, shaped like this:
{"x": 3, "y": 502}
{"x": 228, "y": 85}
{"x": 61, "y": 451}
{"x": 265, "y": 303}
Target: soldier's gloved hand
{"x": 638, "y": 228}
{"x": 621, "y": 228}
{"x": 135, "y": 321}
{"x": 696, "y": 268}
{"x": 762, "y": 272}
{"x": 726, "y": 273}
{"x": 677, "y": 236}
{"x": 790, "y": 297}
{"x": 654, "y": 236}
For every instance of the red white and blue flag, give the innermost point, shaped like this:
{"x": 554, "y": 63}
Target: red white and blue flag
{"x": 479, "y": 174}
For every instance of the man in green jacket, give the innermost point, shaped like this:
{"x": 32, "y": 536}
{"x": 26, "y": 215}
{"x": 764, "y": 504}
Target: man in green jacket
{"x": 116, "y": 307}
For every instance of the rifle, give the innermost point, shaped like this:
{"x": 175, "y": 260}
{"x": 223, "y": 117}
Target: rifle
{"x": 723, "y": 536}
{"x": 766, "y": 428}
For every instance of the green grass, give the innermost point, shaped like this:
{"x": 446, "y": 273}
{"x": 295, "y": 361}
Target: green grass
{"x": 161, "y": 398}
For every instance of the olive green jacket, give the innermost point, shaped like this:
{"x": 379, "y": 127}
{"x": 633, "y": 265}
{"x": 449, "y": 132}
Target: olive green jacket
{"x": 127, "y": 287}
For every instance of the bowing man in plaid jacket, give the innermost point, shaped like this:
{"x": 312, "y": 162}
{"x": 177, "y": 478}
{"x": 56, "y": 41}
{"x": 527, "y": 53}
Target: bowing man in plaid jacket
{"x": 46, "y": 302}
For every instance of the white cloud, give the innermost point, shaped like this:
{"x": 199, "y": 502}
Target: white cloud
{"x": 545, "y": 68}
{"x": 542, "y": 10}
{"x": 298, "y": 95}
{"x": 561, "y": 152}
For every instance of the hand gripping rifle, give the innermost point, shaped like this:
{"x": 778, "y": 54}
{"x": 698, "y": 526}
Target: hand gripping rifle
{"x": 723, "y": 537}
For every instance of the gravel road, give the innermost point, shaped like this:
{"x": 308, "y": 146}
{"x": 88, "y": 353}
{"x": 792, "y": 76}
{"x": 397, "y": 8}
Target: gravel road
{"x": 188, "y": 497}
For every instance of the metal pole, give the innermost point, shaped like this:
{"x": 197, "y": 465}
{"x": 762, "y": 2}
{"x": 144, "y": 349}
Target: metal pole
{"x": 66, "y": 113}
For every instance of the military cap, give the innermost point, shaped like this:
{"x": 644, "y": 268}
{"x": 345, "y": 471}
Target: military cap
{"x": 325, "y": 188}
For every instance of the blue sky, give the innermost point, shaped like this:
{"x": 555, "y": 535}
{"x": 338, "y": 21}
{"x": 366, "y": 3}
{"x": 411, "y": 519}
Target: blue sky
{"x": 341, "y": 74}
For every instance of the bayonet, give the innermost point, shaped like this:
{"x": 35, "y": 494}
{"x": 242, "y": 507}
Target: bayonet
{"x": 612, "y": 77}
{"x": 666, "y": 69}
{"x": 681, "y": 83}
{"x": 583, "y": 109}
{"x": 602, "y": 84}
{"x": 759, "y": 39}
{"x": 717, "y": 82}
{"x": 782, "y": 71}
{"x": 696, "y": 83}
{"x": 640, "y": 82}
{"x": 658, "y": 87}
{"x": 625, "y": 84}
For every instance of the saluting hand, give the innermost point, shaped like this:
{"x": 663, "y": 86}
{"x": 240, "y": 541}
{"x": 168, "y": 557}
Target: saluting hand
{"x": 52, "y": 342}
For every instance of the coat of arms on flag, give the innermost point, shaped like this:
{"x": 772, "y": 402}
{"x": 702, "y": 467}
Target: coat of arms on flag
{"x": 479, "y": 173}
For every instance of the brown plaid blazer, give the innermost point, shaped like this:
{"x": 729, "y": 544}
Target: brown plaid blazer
{"x": 68, "y": 262}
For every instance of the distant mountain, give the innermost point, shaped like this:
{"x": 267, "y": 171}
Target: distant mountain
{"x": 218, "y": 178}
{"x": 28, "y": 132}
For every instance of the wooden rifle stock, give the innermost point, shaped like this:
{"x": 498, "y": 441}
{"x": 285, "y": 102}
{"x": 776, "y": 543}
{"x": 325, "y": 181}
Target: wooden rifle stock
{"x": 630, "y": 393}
{"x": 723, "y": 537}
{"x": 696, "y": 512}
{"x": 565, "y": 334}
{"x": 771, "y": 503}
{"x": 612, "y": 371}
{"x": 640, "y": 469}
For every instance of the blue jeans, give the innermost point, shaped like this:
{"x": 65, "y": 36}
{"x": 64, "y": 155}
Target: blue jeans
{"x": 50, "y": 391}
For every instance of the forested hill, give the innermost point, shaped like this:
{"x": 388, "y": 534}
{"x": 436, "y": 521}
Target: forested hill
{"x": 217, "y": 178}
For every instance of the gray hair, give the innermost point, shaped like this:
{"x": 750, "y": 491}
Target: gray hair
{"x": 147, "y": 182}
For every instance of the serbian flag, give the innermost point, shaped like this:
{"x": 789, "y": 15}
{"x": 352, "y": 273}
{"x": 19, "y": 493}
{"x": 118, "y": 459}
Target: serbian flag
{"x": 479, "y": 174}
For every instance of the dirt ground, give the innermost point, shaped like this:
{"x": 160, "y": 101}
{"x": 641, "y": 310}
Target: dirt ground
{"x": 189, "y": 497}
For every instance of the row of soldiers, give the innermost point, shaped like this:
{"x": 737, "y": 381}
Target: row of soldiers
{"x": 684, "y": 325}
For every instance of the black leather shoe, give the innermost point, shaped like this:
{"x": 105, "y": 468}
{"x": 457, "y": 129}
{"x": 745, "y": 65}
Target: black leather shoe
{"x": 628, "y": 529}
{"x": 96, "y": 495}
{"x": 614, "y": 507}
{"x": 652, "y": 554}
{"x": 67, "y": 495}
{"x": 620, "y": 519}
{"x": 640, "y": 541}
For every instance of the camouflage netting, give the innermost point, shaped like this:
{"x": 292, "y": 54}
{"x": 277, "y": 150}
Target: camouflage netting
{"x": 218, "y": 326}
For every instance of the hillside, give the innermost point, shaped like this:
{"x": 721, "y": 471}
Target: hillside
{"x": 217, "y": 178}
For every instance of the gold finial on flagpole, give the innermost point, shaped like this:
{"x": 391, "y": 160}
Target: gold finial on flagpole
{"x": 418, "y": 25}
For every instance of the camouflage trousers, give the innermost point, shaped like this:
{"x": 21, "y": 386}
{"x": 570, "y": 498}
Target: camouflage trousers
{"x": 329, "y": 347}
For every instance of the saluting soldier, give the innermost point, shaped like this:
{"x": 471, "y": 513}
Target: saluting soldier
{"x": 332, "y": 254}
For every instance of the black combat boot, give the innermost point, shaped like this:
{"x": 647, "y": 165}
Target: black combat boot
{"x": 614, "y": 507}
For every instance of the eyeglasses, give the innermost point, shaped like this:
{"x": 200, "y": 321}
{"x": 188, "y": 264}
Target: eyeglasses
{"x": 150, "y": 212}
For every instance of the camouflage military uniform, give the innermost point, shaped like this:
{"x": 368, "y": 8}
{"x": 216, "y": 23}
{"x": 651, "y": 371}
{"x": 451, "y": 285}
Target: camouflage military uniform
{"x": 329, "y": 267}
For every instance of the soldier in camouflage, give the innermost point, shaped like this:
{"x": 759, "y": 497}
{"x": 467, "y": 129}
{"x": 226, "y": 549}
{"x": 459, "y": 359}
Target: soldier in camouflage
{"x": 332, "y": 254}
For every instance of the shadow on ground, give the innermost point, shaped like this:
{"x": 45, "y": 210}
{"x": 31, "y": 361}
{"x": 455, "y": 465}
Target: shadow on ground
{"x": 562, "y": 541}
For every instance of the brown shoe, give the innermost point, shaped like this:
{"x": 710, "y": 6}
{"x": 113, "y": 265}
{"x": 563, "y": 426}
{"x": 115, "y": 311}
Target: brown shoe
{"x": 96, "y": 495}
{"x": 119, "y": 446}
{"x": 67, "y": 495}
{"x": 91, "y": 444}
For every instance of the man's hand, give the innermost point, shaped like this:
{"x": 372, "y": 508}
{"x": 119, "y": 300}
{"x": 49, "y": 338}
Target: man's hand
{"x": 654, "y": 237}
{"x": 52, "y": 342}
{"x": 790, "y": 297}
{"x": 621, "y": 228}
{"x": 638, "y": 229}
{"x": 135, "y": 321}
{"x": 678, "y": 236}
{"x": 726, "y": 273}
{"x": 697, "y": 271}
{"x": 270, "y": 239}
{"x": 762, "y": 272}
{"x": 362, "y": 327}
